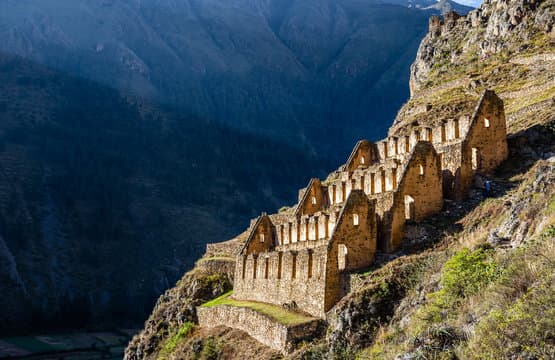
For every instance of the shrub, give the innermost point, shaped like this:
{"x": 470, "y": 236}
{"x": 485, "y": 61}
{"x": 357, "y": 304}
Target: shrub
{"x": 527, "y": 328}
{"x": 467, "y": 272}
{"x": 464, "y": 275}
{"x": 181, "y": 333}
{"x": 211, "y": 350}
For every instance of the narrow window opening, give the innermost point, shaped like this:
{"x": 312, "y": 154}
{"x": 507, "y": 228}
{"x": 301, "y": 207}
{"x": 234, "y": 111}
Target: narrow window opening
{"x": 290, "y": 233}
{"x": 254, "y": 263}
{"x": 279, "y": 265}
{"x": 309, "y": 264}
{"x": 443, "y": 133}
{"x": 421, "y": 170}
{"x": 409, "y": 207}
{"x": 486, "y": 123}
{"x": 457, "y": 133}
{"x": 334, "y": 194}
{"x": 316, "y": 228}
{"x": 355, "y": 219}
{"x": 298, "y": 231}
{"x": 475, "y": 159}
{"x": 385, "y": 148}
{"x": 341, "y": 257}
{"x": 362, "y": 160}
{"x": 372, "y": 184}
{"x": 407, "y": 144}
{"x": 261, "y": 238}
{"x": 266, "y": 267}
{"x": 383, "y": 181}
{"x": 244, "y": 266}
{"x": 343, "y": 191}
{"x": 394, "y": 177}
{"x": 314, "y": 200}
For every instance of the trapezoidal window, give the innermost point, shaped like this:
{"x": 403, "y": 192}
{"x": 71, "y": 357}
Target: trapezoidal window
{"x": 261, "y": 238}
{"x": 341, "y": 257}
{"x": 362, "y": 160}
{"x": 409, "y": 208}
{"x": 421, "y": 170}
{"x": 313, "y": 200}
{"x": 486, "y": 123}
{"x": 355, "y": 219}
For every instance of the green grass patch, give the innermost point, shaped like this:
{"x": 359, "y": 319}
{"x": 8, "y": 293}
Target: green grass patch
{"x": 465, "y": 274}
{"x": 276, "y": 312}
{"x": 175, "y": 339}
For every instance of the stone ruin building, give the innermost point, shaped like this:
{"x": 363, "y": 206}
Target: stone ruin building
{"x": 340, "y": 223}
{"x": 300, "y": 258}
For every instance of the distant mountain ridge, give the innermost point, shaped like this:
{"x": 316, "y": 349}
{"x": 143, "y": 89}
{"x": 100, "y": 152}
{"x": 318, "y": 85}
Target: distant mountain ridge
{"x": 106, "y": 199}
{"x": 441, "y": 6}
{"x": 280, "y": 68}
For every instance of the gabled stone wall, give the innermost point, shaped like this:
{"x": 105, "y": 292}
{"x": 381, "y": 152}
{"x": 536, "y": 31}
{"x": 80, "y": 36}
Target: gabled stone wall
{"x": 301, "y": 258}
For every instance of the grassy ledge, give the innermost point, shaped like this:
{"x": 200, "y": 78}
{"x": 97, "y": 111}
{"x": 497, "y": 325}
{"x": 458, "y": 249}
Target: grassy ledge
{"x": 279, "y": 314}
{"x": 217, "y": 258}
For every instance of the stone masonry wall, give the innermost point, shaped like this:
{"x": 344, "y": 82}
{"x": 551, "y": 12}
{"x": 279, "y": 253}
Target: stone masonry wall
{"x": 259, "y": 326}
{"x": 420, "y": 192}
{"x": 352, "y": 247}
{"x": 284, "y": 277}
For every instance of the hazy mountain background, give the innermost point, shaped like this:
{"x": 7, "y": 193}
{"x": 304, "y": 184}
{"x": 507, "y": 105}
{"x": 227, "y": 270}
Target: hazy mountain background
{"x": 133, "y": 132}
{"x": 295, "y": 69}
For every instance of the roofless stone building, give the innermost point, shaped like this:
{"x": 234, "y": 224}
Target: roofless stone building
{"x": 300, "y": 259}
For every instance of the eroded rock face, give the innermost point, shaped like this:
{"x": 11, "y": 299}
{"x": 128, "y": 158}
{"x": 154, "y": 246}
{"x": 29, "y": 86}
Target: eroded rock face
{"x": 494, "y": 27}
{"x": 353, "y": 322}
{"x": 174, "y": 308}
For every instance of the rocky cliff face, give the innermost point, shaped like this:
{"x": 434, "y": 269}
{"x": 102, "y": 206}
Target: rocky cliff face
{"x": 475, "y": 281}
{"x": 505, "y": 28}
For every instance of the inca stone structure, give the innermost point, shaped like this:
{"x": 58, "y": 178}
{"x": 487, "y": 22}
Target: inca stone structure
{"x": 300, "y": 258}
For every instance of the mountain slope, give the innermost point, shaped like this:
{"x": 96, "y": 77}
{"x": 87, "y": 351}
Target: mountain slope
{"x": 106, "y": 199}
{"x": 476, "y": 280}
{"x": 297, "y": 69}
